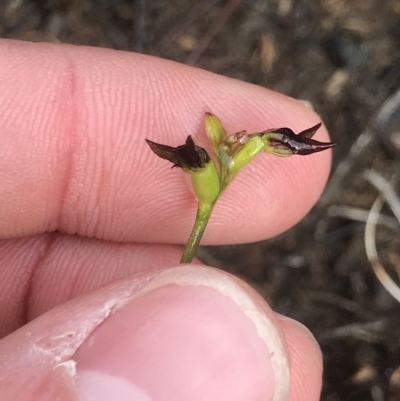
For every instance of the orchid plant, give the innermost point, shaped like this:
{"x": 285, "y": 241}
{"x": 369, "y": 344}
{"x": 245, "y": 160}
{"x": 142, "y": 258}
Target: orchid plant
{"x": 232, "y": 153}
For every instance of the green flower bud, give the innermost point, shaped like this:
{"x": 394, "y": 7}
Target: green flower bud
{"x": 215, "y": 131}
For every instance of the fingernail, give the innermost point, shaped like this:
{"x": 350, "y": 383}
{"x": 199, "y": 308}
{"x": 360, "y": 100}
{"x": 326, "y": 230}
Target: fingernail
{"x": 191, "y": 334}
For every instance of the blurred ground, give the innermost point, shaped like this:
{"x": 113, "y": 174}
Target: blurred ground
{"x": 344, "y": 58}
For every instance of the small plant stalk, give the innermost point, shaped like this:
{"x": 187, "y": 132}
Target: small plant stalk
{"x": 232, "y": 153}
{"x": 203, "y": 215}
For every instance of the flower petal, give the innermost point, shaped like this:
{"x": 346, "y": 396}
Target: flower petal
{"x": 187, "y": 156}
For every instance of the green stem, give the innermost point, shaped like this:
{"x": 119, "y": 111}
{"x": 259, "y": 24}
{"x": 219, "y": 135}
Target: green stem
{"x": 203, "y": 215}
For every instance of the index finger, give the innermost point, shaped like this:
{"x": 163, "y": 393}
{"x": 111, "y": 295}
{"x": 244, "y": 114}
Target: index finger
{"x": 73, "y": 157}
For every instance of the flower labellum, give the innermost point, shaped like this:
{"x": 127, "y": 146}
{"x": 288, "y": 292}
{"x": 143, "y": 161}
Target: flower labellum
{"x": 188, "y": 156}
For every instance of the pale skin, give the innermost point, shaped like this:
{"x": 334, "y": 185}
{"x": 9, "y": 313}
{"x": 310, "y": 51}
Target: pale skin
{"x": 83, "y": 202}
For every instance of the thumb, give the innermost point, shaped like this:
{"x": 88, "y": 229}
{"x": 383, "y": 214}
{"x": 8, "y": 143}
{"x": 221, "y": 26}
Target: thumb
{"x": 186, "y": 333}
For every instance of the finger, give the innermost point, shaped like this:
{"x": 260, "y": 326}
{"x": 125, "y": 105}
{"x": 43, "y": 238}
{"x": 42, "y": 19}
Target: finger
{"x": 73, "y": 157}
{"x": 186, "y": 333}
{"x": 41, "y": 272}
{"x": 305, "y": 359}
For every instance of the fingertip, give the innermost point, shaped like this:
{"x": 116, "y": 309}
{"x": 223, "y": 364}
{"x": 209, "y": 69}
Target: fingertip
{"x": 305, "y": 360}
{"x": 188, "y": 332}
{"x": 190, "y": 324}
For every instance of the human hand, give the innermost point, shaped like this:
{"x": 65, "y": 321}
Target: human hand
{"x": 83, "y": 203}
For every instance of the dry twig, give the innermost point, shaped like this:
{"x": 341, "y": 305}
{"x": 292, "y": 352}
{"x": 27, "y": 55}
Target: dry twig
{"x": 386, "y": 194}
